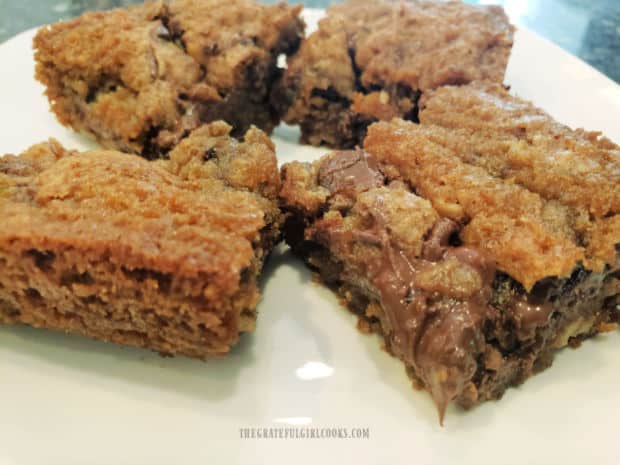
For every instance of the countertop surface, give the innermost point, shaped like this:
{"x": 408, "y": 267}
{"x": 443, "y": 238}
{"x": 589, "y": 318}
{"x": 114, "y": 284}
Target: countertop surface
{"x": 589, "y": 29}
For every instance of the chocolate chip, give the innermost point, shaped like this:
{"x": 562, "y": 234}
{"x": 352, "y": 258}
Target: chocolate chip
{"x": 42, "y": 259}
{"x": 209, "y": 154}
{"x": 211, "y": 49}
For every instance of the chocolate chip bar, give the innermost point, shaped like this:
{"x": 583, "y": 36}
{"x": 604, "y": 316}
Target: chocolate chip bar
{"x": 477, "y": 243}
{"x": 140, "y": 79}
{"x": 371, "y": 60}
{"x": 162, "y": 255}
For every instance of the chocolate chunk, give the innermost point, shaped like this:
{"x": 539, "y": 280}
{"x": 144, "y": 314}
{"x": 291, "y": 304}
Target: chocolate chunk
{"x": 350, "y": 172}
{"x": 529, "y": 316}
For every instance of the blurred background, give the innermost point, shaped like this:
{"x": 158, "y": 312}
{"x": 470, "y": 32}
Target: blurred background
{"x": 589, "y": 29}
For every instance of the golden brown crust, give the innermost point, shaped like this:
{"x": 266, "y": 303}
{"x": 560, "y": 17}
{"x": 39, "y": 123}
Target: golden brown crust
{"x": 575, "y": 170}
{"x": 140, "y": 78}
{"x": 514, "y": 139}
{"x": 370, "y": 60}
{"x": 300, "y": 187}
{"x": 536, "y": 195}
{"x": 502, "y": 217}
{"x": 203, "y": 225}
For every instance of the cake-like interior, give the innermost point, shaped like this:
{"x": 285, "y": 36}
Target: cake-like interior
{"x": 371, "y": 60}
{"x": 139, "y": 79}
{"x": 447, "y": 240}
{"x": 163, "y": 255}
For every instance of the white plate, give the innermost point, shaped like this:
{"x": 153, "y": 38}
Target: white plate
{"x": 67, "y": 400}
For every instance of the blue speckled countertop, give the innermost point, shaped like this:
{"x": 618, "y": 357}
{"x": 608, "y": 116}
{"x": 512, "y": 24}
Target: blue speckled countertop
{"x": 589, "y": 29}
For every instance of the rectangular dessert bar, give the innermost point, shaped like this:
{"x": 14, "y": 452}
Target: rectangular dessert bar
{"x": 477, "y": 242}
{"x": 140, "y": 78}
{"x": 163, "y": 255}
{"x": 371, "y": 60}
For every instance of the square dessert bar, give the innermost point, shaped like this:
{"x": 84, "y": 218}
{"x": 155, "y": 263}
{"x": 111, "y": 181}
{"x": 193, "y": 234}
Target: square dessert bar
{"x": 371, "y": 60}
{"x": 141, "y": 78}
{"x": 163, "y": 255}
{"x": 477, "y": 242}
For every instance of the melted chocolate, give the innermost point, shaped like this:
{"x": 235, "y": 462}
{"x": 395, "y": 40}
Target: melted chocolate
{"x": 449, "y": 347}
{"x": 393, "y": 276}
{"x": 350, "y": 172}
{"x": 438, "y": 334}
{"x": 437, "y": 243}
{"x": 529, "y": 316}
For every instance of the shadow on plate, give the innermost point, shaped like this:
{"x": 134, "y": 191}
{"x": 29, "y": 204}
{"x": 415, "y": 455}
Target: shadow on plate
{"x": 291, "y": 305}
{"x": 214, "y": 379}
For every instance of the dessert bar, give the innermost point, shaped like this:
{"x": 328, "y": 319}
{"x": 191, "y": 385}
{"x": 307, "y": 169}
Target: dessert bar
{"x": 371, "y": 60}
{"x": 477, "y": 242}
{"x": 139, "y": 79}
{"x": 163, "y": 255}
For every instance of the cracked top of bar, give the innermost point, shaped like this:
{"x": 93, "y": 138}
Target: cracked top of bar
{"x": 375, "y": 56}
{"x": 424, "y": 44}
{"x": 201, "y": 213}
{"x": 537, "y": 196}
{"x": 140, "y": 78}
